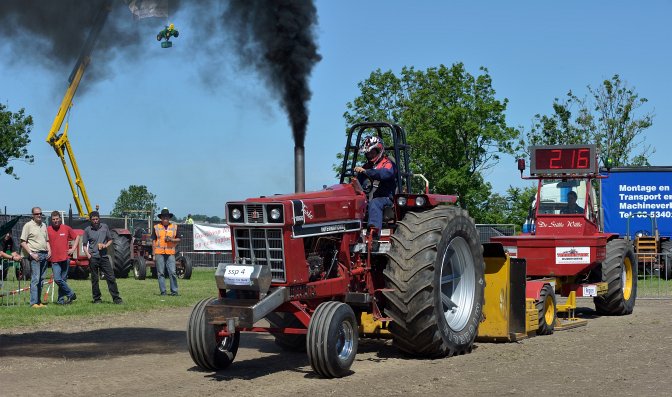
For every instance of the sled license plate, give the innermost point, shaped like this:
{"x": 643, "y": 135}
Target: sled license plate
{"x": 590, "y": 290}
{"x": 238, "y": 275}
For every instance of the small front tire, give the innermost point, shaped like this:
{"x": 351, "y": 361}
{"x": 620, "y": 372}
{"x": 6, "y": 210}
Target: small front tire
{"x": 332, "y": 339}
{"x": 207, "y": 350}
{"x": 547, "y": 309}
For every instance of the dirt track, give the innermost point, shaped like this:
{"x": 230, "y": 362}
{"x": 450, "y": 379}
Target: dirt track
{"x": 133, "y": 355}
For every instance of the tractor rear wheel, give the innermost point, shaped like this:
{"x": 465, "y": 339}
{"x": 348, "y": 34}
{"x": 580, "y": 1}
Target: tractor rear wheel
{"x": 619, "y": 270}
{"x": 547, "y": 308}
{"x": 207, "y": 350}
{"x": 120, "y": 255}
{"x": 332, "y": 339}
{"x": 139, "y": 268}
{"x": 291, "y": 342}
{"x": 436, "y": 276}
{"x": 79, "y": 272}
{"x": 666, "y": 260}
{"x": 183, "y": 267}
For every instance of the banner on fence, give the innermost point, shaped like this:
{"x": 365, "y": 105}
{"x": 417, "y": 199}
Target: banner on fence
{"x": 212, "y": 238}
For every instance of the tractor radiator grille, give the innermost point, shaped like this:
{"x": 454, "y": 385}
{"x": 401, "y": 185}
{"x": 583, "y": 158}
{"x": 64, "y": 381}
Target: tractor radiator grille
{"x": 263, "y": 247}
{"x": 255, "y": 213}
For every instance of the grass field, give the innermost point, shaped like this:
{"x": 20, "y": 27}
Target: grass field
{"x": 138, "y": 296}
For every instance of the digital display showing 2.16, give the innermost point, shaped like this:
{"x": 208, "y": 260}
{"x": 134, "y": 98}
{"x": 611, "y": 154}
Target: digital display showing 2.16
{"x": 567, "y": 159}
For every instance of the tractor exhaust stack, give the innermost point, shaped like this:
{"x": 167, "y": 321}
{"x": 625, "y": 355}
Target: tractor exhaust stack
{"x": 299, "y": 170}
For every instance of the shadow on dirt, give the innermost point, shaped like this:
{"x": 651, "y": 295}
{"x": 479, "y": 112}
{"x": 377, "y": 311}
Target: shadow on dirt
{"x": 96, "y": 344}
{"x": 277, "y": 360}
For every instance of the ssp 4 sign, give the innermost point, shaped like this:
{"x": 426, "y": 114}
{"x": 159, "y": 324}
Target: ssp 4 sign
{"x": 238, "y": 275}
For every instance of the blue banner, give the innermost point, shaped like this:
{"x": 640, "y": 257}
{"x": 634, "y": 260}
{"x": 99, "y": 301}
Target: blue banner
{"x": 640, "y": 197}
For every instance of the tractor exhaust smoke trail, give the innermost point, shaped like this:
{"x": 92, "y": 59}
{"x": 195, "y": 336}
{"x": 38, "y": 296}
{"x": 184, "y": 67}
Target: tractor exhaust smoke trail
{"x": 275, "y": 38}
{"x": 282, "y": 32}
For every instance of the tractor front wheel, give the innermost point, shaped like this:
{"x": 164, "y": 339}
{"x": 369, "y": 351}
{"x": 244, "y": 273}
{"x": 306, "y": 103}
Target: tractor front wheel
{"x": 619, "y": 270}
{"x": 207, "y": 350}
{"x": 139, "y": 268}
{"x": 435, "y": 277}
{"x": 547, "y": 308}
{"x": 183, "y": 267}
{"x": 332, "y": 339}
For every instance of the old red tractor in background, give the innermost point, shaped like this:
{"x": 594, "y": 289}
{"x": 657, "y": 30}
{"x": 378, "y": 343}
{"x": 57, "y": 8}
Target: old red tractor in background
{"x": 142, "y": 257}
{"x": 567, "y": 251}
{"x": 306, "y": 264}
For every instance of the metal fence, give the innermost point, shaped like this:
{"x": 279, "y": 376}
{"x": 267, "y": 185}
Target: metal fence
{"x": 487, "y": 231}
{"x": 654, "y": 277}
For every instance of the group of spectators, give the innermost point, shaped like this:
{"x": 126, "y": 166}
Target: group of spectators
{"x": 55, "y": 245}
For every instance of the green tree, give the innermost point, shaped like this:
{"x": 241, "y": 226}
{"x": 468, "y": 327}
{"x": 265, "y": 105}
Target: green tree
{"x": 14, "y": 131}
{"x": 455, "y": 125}
{"x": 136, "y": 201}
{"x": 511, "y": 208}
{"x": 608, "y": 117}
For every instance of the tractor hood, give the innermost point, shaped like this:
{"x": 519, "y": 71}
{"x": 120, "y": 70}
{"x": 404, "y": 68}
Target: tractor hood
{"x": 339, "y": 206}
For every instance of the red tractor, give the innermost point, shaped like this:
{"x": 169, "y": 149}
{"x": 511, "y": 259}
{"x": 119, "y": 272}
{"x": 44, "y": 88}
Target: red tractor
{"x": 142, "y": 257}
{"x": 567, "y": 251}
{"x": 306, "y": 263}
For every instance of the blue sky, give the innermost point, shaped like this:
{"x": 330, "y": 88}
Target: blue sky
{"x": 154, "y": 123}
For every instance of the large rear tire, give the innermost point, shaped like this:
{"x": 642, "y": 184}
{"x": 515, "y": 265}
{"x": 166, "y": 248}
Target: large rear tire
{"x": 291, "y": 342}
{"x": 120, "y": 255}
{"x": 79, "y": 272}
{"x": 332, "y": 339}
{"x": 666, "y": 260}
{"x": 436, "y": 276}
{"x": 206, "y": 349}
{"x": 619, "y": 270}
{"x": 139, "y": 268}
{"x": 547, "y": 309}
{"x": 183, "y": 267}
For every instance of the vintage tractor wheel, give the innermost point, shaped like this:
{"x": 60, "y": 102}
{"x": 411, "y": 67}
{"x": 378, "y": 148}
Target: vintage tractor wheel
{"x": 120, "y": 255}
{"x": 666, "y": 260}
{"x": 207, "y": 350}
{"x": 139, "y": 268}
{"x": 332, "y": 339}
{"x": 547, "y": 308}
{"x": 436, "y": 274}
{"x": 23, "y": 270}
{"x": 619, "y": 270}
{"x": 79, "y": 272}
{"x": 291, "y": 342}
{"x": 183, "y": 267}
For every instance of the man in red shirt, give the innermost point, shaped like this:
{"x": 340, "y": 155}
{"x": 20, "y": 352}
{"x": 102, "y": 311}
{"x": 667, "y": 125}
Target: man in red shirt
{"x": 59, "y": 237}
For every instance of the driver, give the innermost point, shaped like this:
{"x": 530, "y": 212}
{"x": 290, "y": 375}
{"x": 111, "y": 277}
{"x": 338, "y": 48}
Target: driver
{"x": 381, "y": 171}
{"x": 572, "y": 207}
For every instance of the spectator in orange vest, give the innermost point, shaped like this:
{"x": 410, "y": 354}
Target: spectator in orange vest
{"x": 165, "y": 240}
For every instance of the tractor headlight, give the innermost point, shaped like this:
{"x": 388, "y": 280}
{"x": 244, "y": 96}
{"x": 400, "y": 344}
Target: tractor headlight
{"x": 275, "y": 214}
{"x": 401, "y": 201}
{"x": 420, "y": 201}
{"x": 236, "y": 214}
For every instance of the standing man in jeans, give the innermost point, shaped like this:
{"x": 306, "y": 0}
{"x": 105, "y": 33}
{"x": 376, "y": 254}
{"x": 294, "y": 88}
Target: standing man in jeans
{"x": 59, "y": 237}
{"x": 165, "y": 240}
{"x": 97, "y": 238}
{"x": 35, "y": 244}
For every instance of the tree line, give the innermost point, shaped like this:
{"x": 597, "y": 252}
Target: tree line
{"x": 456, "y": 128}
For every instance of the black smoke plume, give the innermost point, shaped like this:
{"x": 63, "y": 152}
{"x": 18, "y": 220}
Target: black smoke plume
{"x": 275, "y": 38}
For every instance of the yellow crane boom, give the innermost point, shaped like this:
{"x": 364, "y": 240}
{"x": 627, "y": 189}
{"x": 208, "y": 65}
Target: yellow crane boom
{"x": 59, "y": 141}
